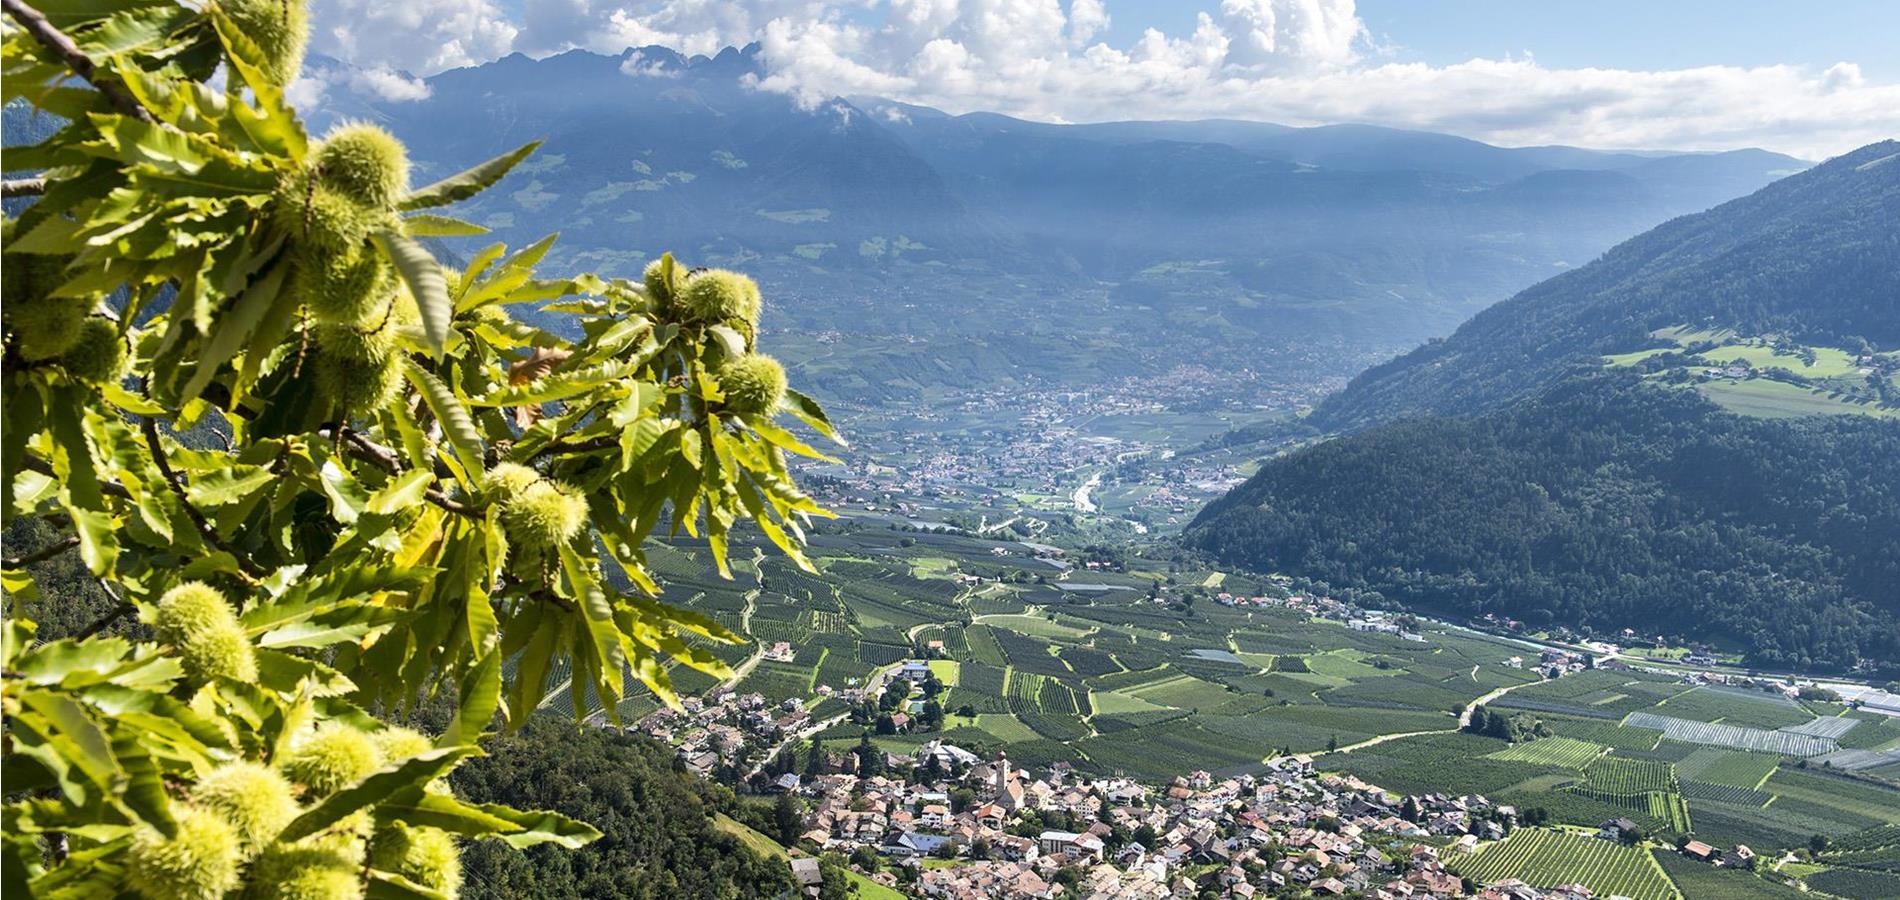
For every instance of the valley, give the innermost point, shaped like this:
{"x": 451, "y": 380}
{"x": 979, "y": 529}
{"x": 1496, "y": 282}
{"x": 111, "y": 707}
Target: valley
{"x": 948, "y": 450}
{"x": 1124, "y": 666}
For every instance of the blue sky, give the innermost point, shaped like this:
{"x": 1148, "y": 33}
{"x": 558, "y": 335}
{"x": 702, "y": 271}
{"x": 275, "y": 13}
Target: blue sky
{"x": 1634, "y": 34}
{"x": 1810, "y": 79}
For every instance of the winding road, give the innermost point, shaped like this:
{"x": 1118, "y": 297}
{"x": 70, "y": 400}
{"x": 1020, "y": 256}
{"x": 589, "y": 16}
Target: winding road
{"x": 1464, "y": 720}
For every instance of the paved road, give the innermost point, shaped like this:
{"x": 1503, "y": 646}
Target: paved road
{"x": 872, "y": 686}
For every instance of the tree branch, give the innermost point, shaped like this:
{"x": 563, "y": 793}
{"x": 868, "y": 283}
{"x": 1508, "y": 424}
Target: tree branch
{"x": 105, "y": 487}
{"x": 587, "y": 446}
{"x": 62, "y": 46}
{"x": 119, "y": 610}
{"x": 149, "y": 426}
{"x": 43, "y": 554}
{"x": 370, "y": 452}
{"x": 22, "y": 187}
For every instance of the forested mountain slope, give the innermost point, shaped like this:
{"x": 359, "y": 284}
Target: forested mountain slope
{"x": 659, "y": 838}
{"x": 1815, "y": 256}
{"x": 1606, "y": 503}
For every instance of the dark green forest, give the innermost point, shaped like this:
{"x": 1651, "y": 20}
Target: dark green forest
{"x": 659, "y": 838}
{"x": 1815, "y": 257}
{"x": 1607, "y": 503}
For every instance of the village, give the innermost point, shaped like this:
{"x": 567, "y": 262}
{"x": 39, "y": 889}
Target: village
{"x": 945, "y": 822}
{"x": 1007, "y": 451}
{"x": 883, "y": 766}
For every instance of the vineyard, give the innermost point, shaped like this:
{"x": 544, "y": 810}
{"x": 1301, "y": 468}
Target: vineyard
{"x": 1559, "y": 752}
{"x": 1724, "y": 793}
{"x": 1047, "y": 706}
{"x": 1616, "y": 775}
{"x": 1728, "y": 767}
{"x": 1112, "y": 683}
{"x": 1641, "y": 786}
{"x": 1547, "y": 858}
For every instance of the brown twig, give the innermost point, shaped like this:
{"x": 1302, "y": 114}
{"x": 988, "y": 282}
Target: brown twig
{"x": 369, "y": 451}
{"x": 43, "y": 554}
{"x": 587, "y": 446}
{"x": 119, "y": 610}
{"x": 106, "y": 487}
{"x": 62, "y": 46}
{"x": 149, "y": 426}
{"x": 22, "y": 187}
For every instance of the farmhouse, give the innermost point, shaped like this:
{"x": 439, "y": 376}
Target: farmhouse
{"x": 810, "y": 880}
{"x": 914, "y": 671}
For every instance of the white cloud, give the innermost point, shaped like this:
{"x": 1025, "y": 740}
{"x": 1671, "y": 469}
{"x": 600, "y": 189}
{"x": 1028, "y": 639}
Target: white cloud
{"x": 1291, "y": 34}
{"x": 1087, "y": 18}
{"x": 422, "y": 36}
{"x": 389, "y": 84}
{"x": 1299, "y": 62}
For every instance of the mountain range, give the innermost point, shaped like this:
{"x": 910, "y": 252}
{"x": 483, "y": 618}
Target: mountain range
{"x": 874, "y": 218}
{"x": 1505, "y": 470}
{"x": 1811, "y": 257}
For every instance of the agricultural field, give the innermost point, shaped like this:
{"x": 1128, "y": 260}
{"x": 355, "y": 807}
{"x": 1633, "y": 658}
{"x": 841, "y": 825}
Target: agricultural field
{"x": 1114, "y": 683}
{"x": 1801, "y": 380}
{"x": 1558, "y": 752}
{"x": 1616, "y": 775}
{"x": 1699, "y": 879}
{"x": 1734, "y": 736}
{"x": 1733, "y": 768}
{"x": 1542, "y": 856}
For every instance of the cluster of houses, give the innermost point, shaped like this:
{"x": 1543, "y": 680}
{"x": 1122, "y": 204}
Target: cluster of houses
{"x": 1313, "y": 605}
{"x": 989, "y": 829}
{"x": 725, "y": 728}
{"x": 1380, "y": 623}
{"x": 955, "y": 825}
{"x": 1736, "y": 857}
{"x": 1552, "y": 662}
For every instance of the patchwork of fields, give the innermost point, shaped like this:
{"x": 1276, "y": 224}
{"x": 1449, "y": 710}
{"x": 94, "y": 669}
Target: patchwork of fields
{"x": 1113, "y": 683}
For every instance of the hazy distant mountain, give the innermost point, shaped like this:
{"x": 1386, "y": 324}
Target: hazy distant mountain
{"x": 1352, "y": 240}
{"x": 1813, "y": 256}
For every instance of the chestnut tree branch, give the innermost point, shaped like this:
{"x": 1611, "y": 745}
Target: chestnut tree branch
{"x": 36, "y": 24}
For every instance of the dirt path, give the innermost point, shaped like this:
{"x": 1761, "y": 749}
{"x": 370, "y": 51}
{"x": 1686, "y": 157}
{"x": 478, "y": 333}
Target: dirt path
{"x": 758, "y": 649}
{"x": 1464, "y": 719}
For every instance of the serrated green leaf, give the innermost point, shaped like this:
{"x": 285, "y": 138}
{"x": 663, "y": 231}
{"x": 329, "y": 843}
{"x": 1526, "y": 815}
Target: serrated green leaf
{"x": 235, "y": 329}
{"x": 406, "y": 776}
{"x": 518, "y": 828}
{"x": 426, "y": 282}
{"x": 229, "y": 485}
{"x": 402, "y": 492}
{"x": 808, "y": 411}
{"x": 463, "y": 437}
{"x": 468, "y": 183}
{"x": 430, "y": 225}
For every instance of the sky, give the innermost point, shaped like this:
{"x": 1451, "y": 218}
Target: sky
{"x": 1811, "y": 79}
